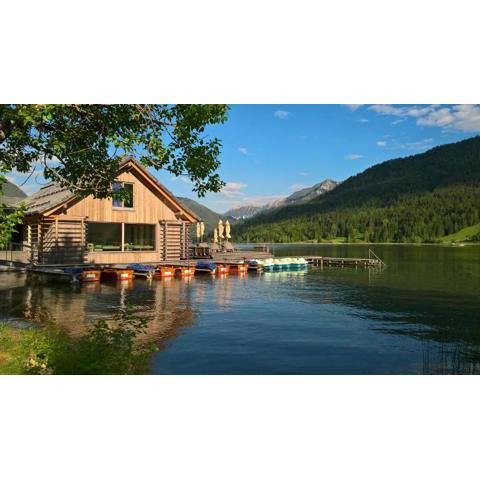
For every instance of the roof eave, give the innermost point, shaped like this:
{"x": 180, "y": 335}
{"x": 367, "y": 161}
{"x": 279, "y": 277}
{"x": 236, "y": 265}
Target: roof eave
{"x": 131, "y": 162}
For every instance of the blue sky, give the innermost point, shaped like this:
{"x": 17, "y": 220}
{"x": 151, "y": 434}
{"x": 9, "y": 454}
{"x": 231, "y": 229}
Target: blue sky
{"x": 269, "y": 151}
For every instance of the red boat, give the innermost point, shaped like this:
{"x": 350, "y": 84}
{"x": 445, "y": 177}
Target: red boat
{"x": 90, "y": 276}
{"x": 239, "y": 268}
{"x": 223, "y": 269}
{"x": 185, "y": 271}
{"x": 164, "y": 272}
{"x": 115, "y": 274}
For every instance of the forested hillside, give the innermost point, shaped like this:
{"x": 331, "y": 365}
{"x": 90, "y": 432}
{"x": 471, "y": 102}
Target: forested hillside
{"x": 10, "y": 194}
{"x": 209, "y": 217}
{"x": 418, "y": 198}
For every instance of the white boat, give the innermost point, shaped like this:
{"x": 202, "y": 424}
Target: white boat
{"x": 268, "y": 264}
{"x": 298, "y": 262}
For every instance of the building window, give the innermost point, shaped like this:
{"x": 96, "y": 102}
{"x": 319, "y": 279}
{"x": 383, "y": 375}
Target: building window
{"x": 139, "y": 237}
{"x": 123, "y": 203}
{"x": 107, "y": 237}
{"x": 104, "y": 237}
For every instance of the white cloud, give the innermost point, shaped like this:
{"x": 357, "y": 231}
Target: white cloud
{"x": 387, "y": 110}
{"x": 233, "y": 195}
{"x": 419, "y": 145}
{"x": 420, "y": 112}
{"x": 295, "y": 187}
{"x": 465, "y": 118}
{"x": 263, "y": 199}
{"x": 438, "y": 118}
{"x": 255, "y": 201}
{"x": 243, "y": 150}
{"x": 281, "y": 114}
{"x": 393, "y": 144}
{"x": 182, "y": 178}
{"x": 303, "y": 174}
{"x": 354, "y": 106}
{"x": 354, "y": 156}
{"x": 363, "y": 120}
{"x": 259, "y": 200}
{"x": 400, "y": 120}
{"x": 30, "y": 188}
{"x": 403, "y": 111}
{"x": 233, "y": 189}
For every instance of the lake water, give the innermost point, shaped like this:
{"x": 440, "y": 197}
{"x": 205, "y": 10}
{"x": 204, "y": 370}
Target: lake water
{"x": 421, "y": 314}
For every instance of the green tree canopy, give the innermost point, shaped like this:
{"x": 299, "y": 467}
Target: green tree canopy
{"x": 81, "y": 146}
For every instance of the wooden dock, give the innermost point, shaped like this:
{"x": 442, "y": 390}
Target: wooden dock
{"x": 46, "y": 275}
{"x": 233, "y": 261}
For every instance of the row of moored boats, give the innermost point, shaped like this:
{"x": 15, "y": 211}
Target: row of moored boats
{"x": 128, "y": 272}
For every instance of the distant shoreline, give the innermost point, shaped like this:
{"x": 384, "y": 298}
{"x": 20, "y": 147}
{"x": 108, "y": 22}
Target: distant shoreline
{"x": 439, "y": 244}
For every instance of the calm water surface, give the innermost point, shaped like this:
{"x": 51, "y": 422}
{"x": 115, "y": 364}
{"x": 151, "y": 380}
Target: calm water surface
{"x": 419, "y": 315}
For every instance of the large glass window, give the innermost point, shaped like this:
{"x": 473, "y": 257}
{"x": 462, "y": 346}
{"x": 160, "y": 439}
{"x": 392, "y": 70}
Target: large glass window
{"x": 123, "y": 203}
{"x": 139, "y": 237}
{"x": 104, "y": 237}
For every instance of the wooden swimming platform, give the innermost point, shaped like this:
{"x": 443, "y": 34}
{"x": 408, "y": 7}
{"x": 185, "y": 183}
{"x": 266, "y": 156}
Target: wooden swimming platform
{"x": 344, "y": 262}
{"x": 373, "y": 260}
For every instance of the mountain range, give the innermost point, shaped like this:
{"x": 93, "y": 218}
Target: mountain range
{"x": 300, "y": 196}
{"x": 209, "y": 217}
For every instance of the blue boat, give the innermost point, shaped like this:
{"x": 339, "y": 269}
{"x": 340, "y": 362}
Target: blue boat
{"x": 140, "y": 267}
{"x": 142, "y": 270}
{"x": 204, "y": 266}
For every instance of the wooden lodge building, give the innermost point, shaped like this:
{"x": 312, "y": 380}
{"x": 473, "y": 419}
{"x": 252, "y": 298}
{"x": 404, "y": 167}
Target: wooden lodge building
{"x": 151, "y": 226}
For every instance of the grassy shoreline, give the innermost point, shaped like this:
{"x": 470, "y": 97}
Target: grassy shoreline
{"x": 11, "y": 350}
{"x": 108, "y": 347}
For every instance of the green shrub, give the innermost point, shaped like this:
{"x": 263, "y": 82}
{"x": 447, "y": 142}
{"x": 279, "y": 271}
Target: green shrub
{"x": 108, "y": 348}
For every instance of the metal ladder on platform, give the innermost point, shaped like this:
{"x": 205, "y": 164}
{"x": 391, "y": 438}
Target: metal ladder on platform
{"x": 372, "y": 253}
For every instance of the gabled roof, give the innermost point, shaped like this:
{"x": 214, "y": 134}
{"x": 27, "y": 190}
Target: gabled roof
{"x": 48, "y": 197}
{"x": 52, "y": 196}
{"x": 10, "y": 194}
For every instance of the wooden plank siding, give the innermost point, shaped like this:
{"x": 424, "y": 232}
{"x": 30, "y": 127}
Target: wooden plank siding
{"x": 54, "y": 241}
{"x": 59, "y": 235}
{"x": 148, "y": 206}
{"x": 172, "y": 240}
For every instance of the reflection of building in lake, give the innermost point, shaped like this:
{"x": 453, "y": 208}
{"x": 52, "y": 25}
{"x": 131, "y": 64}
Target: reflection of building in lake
{"x": 167, "y": 304}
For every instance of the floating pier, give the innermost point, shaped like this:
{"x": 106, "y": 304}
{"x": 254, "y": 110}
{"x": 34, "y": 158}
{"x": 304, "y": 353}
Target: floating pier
{"x": 344, "y": 262}
{"x": 67, "y": 275}
{"x": 373, "y": 260}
